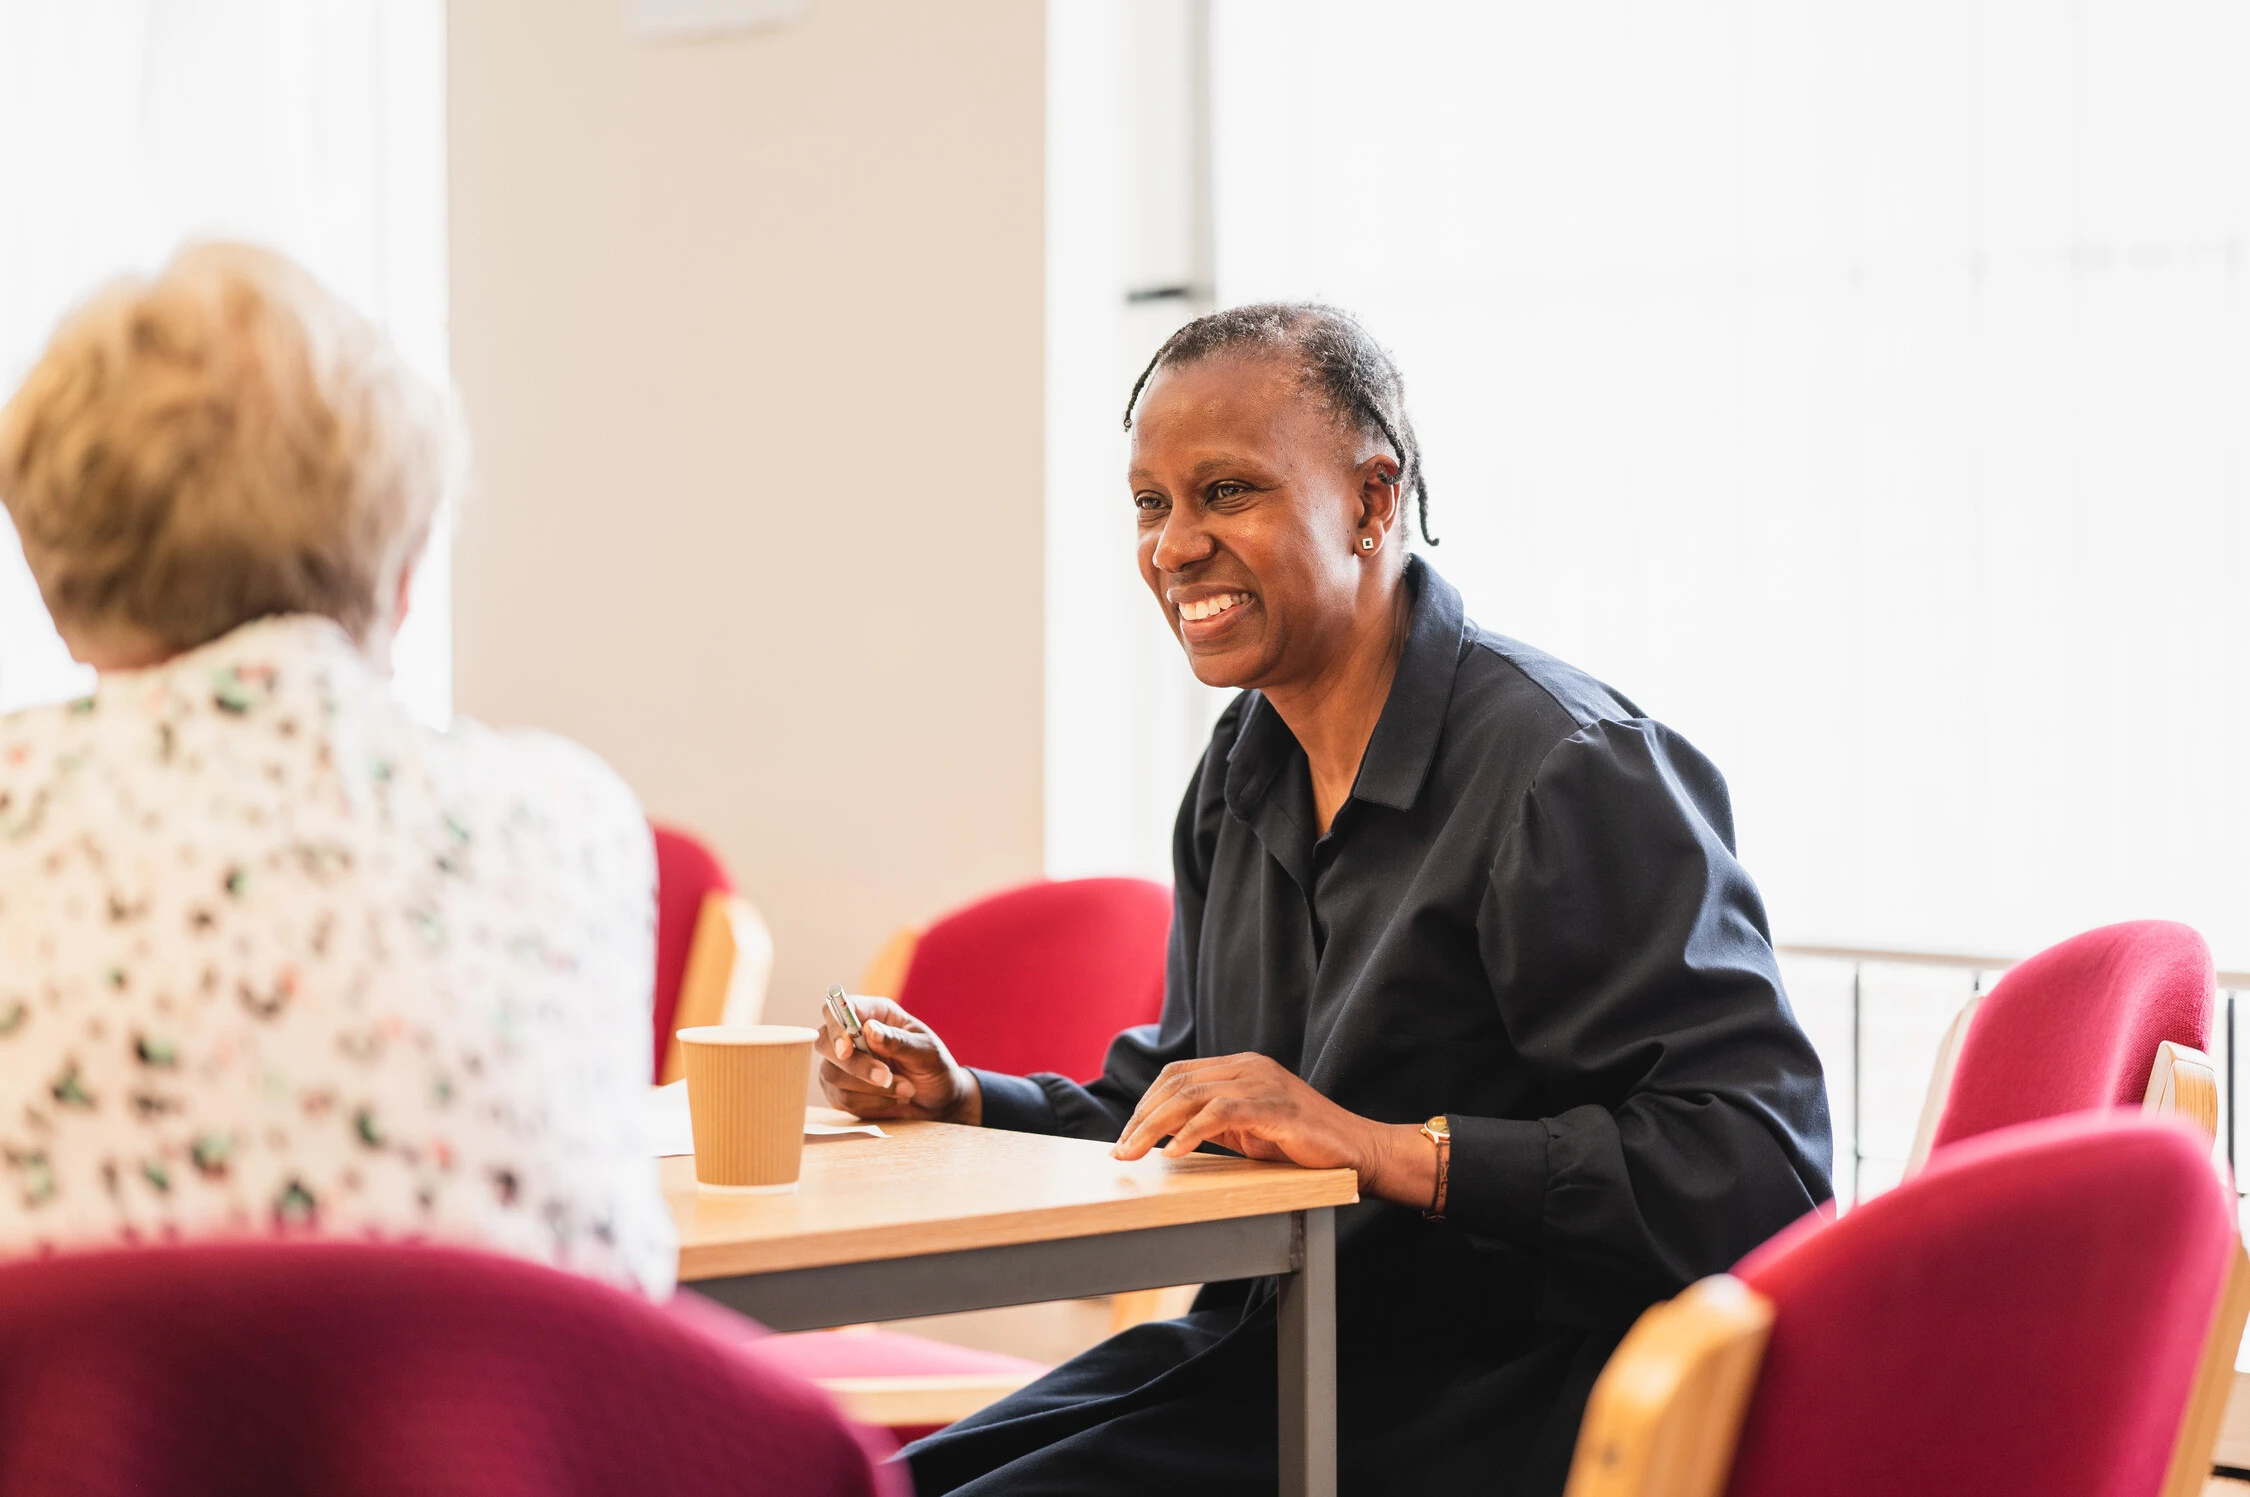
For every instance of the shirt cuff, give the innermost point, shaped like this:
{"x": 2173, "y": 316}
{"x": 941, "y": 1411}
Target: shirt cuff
{"x": 1496, "y": 1181}
{"x": 1016, "y": 1103}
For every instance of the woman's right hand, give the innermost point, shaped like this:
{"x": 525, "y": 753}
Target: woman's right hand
{"x": 906, "y": 1071}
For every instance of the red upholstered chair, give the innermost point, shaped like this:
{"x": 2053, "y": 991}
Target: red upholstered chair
{"x": 713, "y": 954}
{"x": 2117, "y": 1016}
{"x": 1039, "y": 978}
{"x": 2047, "y": 1308}
{"x": 365, "y": 1370}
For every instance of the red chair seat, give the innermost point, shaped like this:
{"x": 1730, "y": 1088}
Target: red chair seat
{"x": 910, "y": 1385}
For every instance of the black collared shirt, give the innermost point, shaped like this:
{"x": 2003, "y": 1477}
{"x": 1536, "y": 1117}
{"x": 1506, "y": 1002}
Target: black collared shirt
{"x": 1528, "y": 916}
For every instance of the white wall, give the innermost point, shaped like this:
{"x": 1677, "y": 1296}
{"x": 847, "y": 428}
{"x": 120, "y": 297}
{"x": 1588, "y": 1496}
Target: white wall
{"x": 749, "y": 335}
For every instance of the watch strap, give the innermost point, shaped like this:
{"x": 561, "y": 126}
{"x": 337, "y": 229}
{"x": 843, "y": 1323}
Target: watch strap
{"x": 1443, "y": 1138}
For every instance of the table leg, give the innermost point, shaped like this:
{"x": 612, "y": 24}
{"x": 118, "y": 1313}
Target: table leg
{"x": 1308, "y": 1362}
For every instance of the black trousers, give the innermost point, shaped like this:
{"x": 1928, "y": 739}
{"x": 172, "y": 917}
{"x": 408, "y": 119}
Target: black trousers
{"x": 1189, "y": 1407}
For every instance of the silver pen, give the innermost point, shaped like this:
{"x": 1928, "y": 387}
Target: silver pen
{"x": 846, "y": 1019}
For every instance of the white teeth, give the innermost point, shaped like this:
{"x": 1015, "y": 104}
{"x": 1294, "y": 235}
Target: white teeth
{"x": 1211, "y": 607}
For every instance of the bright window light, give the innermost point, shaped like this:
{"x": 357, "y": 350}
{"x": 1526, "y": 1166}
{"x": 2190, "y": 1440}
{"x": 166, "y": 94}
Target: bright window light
{"x": 316, "y": 129}
{"x": 1861, "y": 388}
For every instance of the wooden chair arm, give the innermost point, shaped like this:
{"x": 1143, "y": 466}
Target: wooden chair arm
{"x": 911, "y": 1402}
{"x": 2183, "y": 1083}
{"x": 886, "y": 974}
{"x": 730, "y": 961}
{"x": 1941, "y": 1085}
{"x": 1138, "y": 1305}
{"x": 2190, "y": 1467}
{"x": 1667, "y": 1411}
{"x": 753, "y": 962}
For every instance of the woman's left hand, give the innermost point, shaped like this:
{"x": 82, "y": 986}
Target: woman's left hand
{"x": 1255, "y": 1106}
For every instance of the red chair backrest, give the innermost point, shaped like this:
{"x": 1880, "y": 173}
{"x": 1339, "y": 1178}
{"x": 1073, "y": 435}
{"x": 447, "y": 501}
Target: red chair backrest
{"x": 686, "y": 870}
{"x": 2024, "y": 1317}
{"x": 2077, "y": 1026}
{"x": 369, "y": 1370}
{"x": 1041, "y": 978}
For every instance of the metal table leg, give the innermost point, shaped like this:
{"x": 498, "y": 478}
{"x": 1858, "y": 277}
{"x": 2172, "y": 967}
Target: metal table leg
{"x": 1308, "y": 1361}
{"x": 1299, "y": 1247}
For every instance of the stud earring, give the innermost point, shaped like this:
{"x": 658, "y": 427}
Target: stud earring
{"x": 1367, "y": 543}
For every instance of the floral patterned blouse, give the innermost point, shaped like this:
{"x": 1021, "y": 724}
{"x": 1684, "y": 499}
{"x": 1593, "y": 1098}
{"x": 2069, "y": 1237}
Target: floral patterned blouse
{"x": 276, "y": 959}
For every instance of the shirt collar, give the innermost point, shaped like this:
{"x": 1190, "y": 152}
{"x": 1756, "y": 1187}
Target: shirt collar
{"x": 1406, "y": 735}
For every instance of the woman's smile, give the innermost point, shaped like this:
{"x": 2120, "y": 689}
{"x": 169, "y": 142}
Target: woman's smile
{"x": 1206, "y": 613}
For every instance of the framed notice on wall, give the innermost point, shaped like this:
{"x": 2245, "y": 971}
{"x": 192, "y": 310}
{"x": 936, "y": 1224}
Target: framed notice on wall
{"x": 669, "y": 20}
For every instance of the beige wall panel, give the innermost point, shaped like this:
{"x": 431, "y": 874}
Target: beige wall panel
{"x": 748, "y": 334}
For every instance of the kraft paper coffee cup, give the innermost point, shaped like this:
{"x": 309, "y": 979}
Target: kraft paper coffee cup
{"x": 746, "y": 1088}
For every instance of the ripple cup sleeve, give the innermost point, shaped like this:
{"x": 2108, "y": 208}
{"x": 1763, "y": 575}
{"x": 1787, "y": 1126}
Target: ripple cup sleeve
{"x": 746, "y": 1086}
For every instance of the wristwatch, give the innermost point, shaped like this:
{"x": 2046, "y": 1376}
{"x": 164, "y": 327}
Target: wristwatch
{"x": 1440, "y": 1132}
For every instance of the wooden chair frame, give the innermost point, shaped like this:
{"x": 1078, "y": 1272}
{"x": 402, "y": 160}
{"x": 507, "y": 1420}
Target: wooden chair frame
{"x": 2190, "y": 1468}
{"x": 729, "y": 963}
{"x": 886, "y": 970}
{"x": 2184, "y": 1084}
{"x": 1666, "y": 1413}
{"x": 1941, "y": 1085}
{"x": 911, "y": 1402}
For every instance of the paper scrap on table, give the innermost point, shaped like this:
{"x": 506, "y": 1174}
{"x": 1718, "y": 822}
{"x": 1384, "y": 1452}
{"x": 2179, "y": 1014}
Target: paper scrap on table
{"x": 670, "y": 1132}
{"x": 837, "y": 1130}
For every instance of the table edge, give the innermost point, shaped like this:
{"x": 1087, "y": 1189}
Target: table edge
{"x": 830, "y": 1248}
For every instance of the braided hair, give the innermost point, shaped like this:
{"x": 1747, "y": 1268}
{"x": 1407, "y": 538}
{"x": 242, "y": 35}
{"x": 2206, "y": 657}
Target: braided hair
{"x": 1354, "y": 374}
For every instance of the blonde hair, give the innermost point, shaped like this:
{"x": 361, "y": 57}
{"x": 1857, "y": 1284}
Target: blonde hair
{"x": 222, "y": 443}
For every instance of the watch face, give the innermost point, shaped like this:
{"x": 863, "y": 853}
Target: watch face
{"x": 1438, "y": 1124}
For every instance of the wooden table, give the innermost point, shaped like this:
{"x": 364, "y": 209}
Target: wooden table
{"x": 936, "y": 1218}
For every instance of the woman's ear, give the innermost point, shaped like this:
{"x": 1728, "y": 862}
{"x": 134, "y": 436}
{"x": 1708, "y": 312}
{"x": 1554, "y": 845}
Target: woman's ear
{"x": 1382, "y": 491}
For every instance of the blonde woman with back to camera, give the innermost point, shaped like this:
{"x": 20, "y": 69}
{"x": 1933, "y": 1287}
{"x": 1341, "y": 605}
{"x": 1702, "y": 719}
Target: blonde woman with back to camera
{"x": 275, "y": 958}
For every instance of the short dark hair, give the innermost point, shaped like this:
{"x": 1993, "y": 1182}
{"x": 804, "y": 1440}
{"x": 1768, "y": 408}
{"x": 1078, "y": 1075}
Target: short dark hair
{"x": 1336, "y": 356}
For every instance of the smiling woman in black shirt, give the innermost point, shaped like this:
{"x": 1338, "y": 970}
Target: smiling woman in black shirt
{"x": 1423, "y": 871}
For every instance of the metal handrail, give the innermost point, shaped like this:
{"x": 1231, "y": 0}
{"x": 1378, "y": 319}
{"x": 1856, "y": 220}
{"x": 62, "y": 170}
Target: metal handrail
{"x": 1888, "y": 957}
{"x": 2231, "y": 985}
